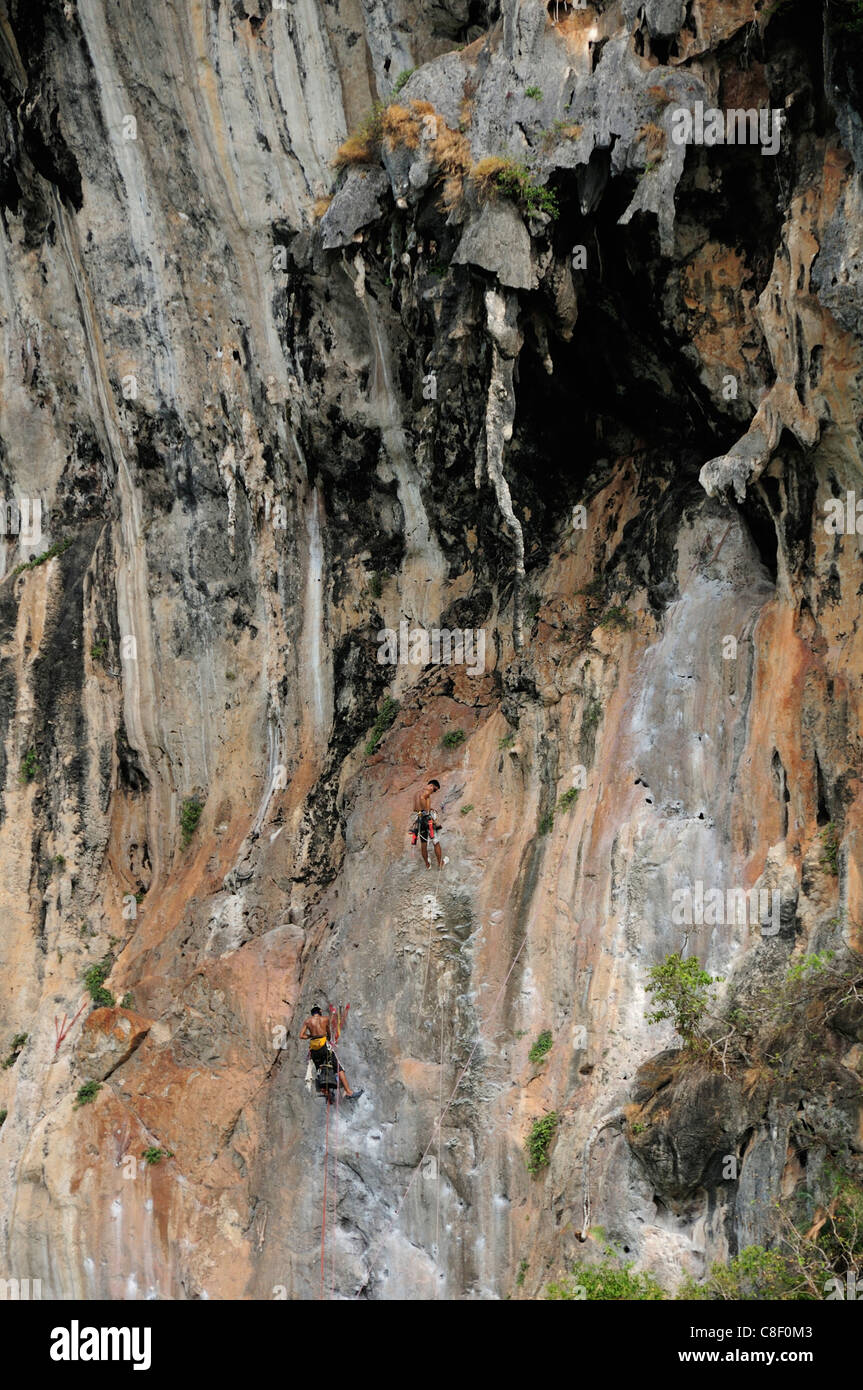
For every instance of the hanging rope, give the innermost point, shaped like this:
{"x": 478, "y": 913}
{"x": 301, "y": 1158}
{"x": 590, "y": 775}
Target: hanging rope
{"x": 335, "y": 1189}
{"x": 432, "y": 916}
{"x": 440, "y": 1118}
{"x": 440, "y": 1102}
{"x": 600, "y": 1125}
{"x": 324, "y": 1213}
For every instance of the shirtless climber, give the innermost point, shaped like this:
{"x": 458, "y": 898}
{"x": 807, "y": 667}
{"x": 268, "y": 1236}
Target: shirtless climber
{"x": 317, "y": 1029}
{"x": 424, "y": 826}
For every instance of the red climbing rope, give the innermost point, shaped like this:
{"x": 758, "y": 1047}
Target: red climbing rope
{"x": 335, "y": 1192}
{"x": 324, "y": 1216}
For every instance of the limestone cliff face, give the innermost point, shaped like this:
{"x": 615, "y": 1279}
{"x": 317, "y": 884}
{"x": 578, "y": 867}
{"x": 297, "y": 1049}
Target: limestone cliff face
{"x": 594, "y": 402}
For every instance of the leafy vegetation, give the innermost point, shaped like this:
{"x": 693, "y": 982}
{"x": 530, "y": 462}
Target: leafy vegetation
{"x": 87, "y": 1093}
{"x": 386, "y": 715}
{"x": 592, "y": 715}
{"x": 607, "y": 1282}
{"x": 616, "y": 617}
{"x": 453, "y": 738}
{"x": 99, "y": 650}
{"x": 94, "y": 981}
{"x": 154, "y": 1155}
{"x": 29, "y": 766}
{"x": 546, "y": 823}
{"x": 126, "y": 1002}
{"x": 830, "y": 841}
{"x": 15, "y": 1049}
{"x": 568, "y": 800}
{"x": 404, "y": 76}
{"x": 363, "y": 147}
{"x": 522, "y": 1271}
{"x": 506, "y": 176}
{"x": 3, "y": 1113}
{"x": 190, "y": 814}
{"x": 535, "y": 93}
{"x": 35, "y": 560}
{"x": 542, "y": 1046}
{"x": 466, "y": 810}
{"x": 538, "y": 1140}
{"x": 682, "y": 992}
{"x": 506, "y": 742}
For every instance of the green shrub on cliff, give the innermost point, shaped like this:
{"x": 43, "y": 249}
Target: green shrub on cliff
{"x": 15, "y": 1050}
{"x": 190, "y": 813}
{"x": 386, "y": 715}
{"x": 830, "y": 841}
{"x": 87, "y": 1093}
{"x": 537, "y": 1142}
{"x": 94, "y": 980}
{"x": 682, "y": 992}
{"x": 29, "y": 766}
{"x": 755, "y": 1273}
{"x": 607, "y": 1282}
{"x": 542, "y": 1045}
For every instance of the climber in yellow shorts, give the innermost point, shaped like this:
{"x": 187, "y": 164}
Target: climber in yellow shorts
{"x": 317, "y": 1029}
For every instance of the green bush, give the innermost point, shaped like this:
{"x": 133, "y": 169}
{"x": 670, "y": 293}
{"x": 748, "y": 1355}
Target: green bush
{"x": 568, "y": 800}
{"x": 517, "y": 181}
{"x": 607, "y": 1282}
{"x": 94, "y": 980}
{"x": 153, "y": 1155}
{"x": 29, "y": 766}
{"x": 386, "y": 715}
{"x": 616, "y": 617}
{"x": 754, "y": 1274}
{"x": 99, "y": 650}
{"x": 592, "y": 714}
{"x": 35, "y": 560}
{"x": 190, "y": 813}
{"x": 404, "y": 76}
{"x": 15, "y": 1048}
{"x": 546, "y": 823}
{"x": 453, "y": 738}
{"x": 87, "y": 1093}
{"x": 541, "y": 1134}
{"x": 830, "y": 841}
{"x": 535, "y": 93}
{"x": 542, "y": 1045}
{"x": 506, "y": 742}
{"x": 126, "y": 1002}
{"x": 682, "y": 992}
{"x": 466, "y": 810}
{"x": 522, "y": 1271}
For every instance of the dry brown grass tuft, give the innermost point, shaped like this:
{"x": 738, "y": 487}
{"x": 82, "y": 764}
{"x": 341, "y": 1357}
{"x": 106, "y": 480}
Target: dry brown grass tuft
{"x": 364, "y": 146}
{"x": 452, "y": 156}
{"x": 400, "y": 127}
{"x": 652, "y": 137}
{"x": 485, "y": 174}
{"x": 320, "y": 206}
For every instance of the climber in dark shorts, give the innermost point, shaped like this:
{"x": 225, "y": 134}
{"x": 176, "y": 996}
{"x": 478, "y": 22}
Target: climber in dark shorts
{"x": 317, "y": 1029}
{"x": 424, "y": 827}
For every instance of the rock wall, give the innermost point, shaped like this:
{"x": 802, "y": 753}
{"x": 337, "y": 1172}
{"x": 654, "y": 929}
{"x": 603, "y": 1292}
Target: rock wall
{"x": 534, "y": 369}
